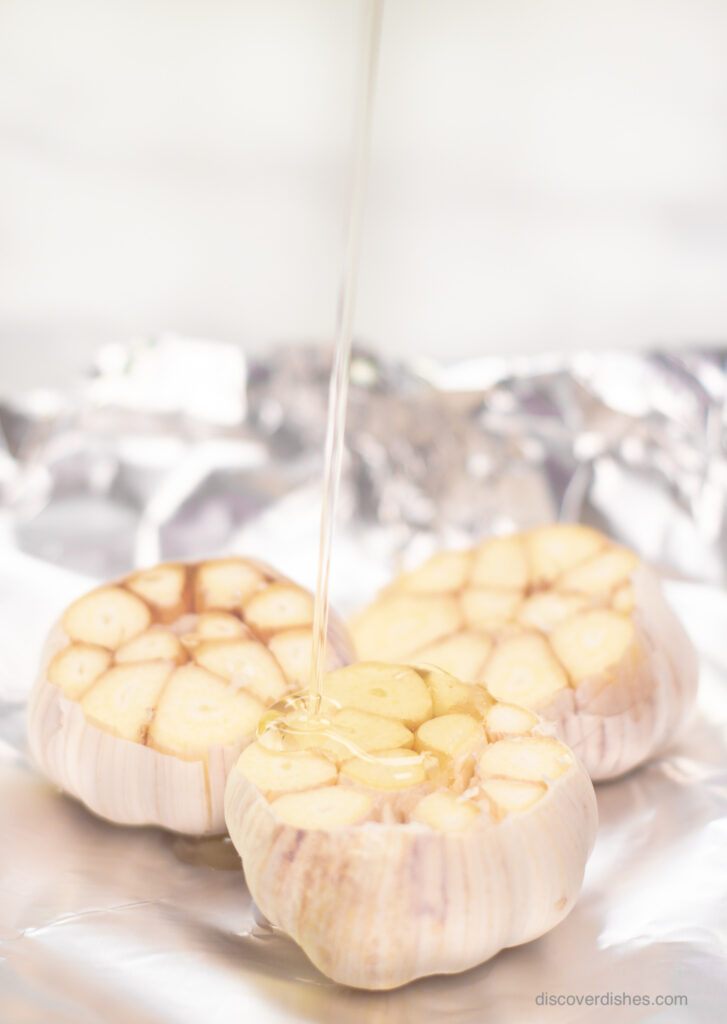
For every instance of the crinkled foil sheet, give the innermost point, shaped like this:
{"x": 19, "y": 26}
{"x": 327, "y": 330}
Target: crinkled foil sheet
{"x": 175, "y": 448}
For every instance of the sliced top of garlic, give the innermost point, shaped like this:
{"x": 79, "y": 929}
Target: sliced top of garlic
{"x": 186, "y": 656}
{"x": 397, "y": 744}
{"x": 554, "y": 620}
{"x": 516, "y": 612}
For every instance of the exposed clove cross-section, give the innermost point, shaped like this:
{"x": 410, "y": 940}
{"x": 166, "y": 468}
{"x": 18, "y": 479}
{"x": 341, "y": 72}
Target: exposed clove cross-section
{"x": 416, "y": 853}
{"x": 150, "y": 687}
{"x": 559, "y": 620}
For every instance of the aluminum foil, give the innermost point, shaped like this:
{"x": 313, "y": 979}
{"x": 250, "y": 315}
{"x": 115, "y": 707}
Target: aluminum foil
{"x": 176, "y": 447}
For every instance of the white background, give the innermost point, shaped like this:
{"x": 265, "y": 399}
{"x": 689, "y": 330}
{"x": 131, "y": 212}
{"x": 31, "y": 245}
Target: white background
{"x": 546, "y": 173}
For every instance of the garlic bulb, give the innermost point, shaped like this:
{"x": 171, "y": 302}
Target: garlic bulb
{"x": 385, "y": 866}
{"x": 559, "y": 620}
{"x": 149, "y": 688}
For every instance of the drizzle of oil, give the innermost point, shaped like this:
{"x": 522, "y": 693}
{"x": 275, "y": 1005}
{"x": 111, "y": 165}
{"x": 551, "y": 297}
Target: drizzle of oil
{"x": 340, "y": 375}
{"x": 310, "y": 713}
{"x": 290, "y": 726}
{"x": 306, "y": 719}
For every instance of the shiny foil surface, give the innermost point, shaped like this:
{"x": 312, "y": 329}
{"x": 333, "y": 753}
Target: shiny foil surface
{"x": 176, "y": 448}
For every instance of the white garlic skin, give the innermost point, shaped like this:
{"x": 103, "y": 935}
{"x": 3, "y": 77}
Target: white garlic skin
{"x": 615, "y": 723}
{"x": 127, "y": 782}
{"x": 375, "y": 906}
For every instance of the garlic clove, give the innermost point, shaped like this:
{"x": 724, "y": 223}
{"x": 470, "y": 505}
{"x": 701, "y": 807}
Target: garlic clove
{"x": 572, "y": 626}
{"x": 396, "y": 865}
{"x": 150, "y": 688}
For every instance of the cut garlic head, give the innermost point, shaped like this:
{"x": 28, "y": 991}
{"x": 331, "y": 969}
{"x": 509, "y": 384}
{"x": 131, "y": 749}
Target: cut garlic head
{"x": 418, "y": 829}
{"x": 559, "y": 620}
{"x": 149, "y": 688}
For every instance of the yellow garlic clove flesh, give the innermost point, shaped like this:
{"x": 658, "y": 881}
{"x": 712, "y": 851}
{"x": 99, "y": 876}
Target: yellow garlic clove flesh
{"x": 423, "y": 857}
{"x": 558, "y": 620}
{"x": 149, "y": 688}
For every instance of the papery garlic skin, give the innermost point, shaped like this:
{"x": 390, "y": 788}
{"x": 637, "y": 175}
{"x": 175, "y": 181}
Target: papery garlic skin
{"x": 116, "y": 758}
{"x": 381, "y": 886}
{"x": 615, "y": 725}
{"x": 517, "y": 614}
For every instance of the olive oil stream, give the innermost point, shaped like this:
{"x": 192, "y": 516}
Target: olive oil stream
{"x": 309, "y": 713}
